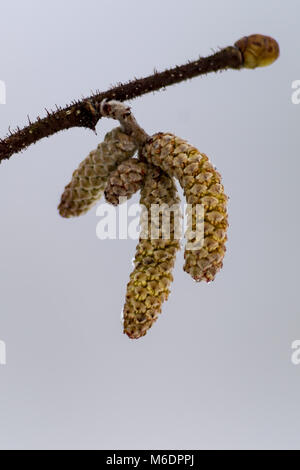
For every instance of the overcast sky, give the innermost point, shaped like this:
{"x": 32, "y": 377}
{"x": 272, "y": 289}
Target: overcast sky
{"x": 215, "y": 371}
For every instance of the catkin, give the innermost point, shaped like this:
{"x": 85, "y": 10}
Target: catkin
{"x": 90, "y": 178}
{"x": 202, "y": 185}
{"x": 149, "y": 283}
{"x": 125, "y": 181}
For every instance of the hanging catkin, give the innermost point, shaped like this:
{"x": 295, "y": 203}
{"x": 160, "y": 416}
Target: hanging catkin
{"x": 202, "y": 185}
{"x": 149, "y": 283}
{"x": 90, "y": 178}
{"x": 125, "y": 181}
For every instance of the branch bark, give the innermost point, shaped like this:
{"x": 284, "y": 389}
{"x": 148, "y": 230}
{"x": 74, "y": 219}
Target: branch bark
{"x": 86, "y": 113}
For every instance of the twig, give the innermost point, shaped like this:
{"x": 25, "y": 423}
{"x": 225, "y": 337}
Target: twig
{"x": 86, "y": 113}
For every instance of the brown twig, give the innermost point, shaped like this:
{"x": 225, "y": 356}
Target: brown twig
{"x": 86, "y": 113}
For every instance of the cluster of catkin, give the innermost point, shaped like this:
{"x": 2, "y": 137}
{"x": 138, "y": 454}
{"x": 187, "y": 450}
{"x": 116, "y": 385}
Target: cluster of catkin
{"x": 113, "y": 170}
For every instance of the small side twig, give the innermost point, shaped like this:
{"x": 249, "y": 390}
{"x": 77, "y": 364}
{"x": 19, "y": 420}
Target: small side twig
{"x": 116, "y": 110}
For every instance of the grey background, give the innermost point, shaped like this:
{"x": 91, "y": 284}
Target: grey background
{"x": 215, "y": 371}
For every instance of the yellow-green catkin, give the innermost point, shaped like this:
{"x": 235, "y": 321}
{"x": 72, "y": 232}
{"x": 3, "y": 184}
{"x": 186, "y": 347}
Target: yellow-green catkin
{"x": 90, "y": 178}
{"x": 202, "y": 185}
{"x": 149, "y": 284}
{"x": 125, "y": 181}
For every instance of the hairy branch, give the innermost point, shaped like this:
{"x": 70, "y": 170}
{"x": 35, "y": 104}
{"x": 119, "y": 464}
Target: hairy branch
{"x": 249, "y": 52}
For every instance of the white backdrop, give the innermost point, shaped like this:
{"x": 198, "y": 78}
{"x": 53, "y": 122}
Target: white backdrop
{"x": 215, "y": 371}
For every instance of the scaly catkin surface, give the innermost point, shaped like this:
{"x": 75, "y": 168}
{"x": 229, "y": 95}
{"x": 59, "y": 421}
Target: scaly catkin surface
{"x": 202, "y": 185}
{"x": 125, "y": 181}
{"x": 149, "y": 284}
{"x": 90, "y": 178}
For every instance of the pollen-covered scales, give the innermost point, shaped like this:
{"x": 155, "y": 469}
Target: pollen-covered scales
{"x": 149, "y": 284}
{"x": 202, "y": 185}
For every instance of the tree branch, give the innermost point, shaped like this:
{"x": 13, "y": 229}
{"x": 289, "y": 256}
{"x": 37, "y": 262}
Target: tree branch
{"x": 86, "y": 113}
